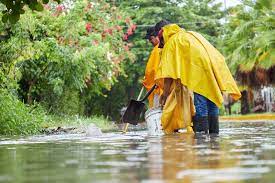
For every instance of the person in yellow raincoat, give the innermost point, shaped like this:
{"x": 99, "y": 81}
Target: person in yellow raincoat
{"x": 187, "y": 57}
{"x": 152, "y": 67}
{"x": 178, "y": 114}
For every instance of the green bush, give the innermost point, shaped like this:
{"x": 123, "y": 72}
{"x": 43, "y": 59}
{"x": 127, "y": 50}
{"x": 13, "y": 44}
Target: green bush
{"x": 236, "y": 108}
{"x": 69, "y": 103}
{"x": 16, "y": 118}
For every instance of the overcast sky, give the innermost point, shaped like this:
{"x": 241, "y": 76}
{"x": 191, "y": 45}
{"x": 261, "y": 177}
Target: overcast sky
{"x": 230, "y": 3}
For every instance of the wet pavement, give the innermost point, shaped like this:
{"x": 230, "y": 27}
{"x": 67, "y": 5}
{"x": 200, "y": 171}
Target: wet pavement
{"x": 244, "y": 152}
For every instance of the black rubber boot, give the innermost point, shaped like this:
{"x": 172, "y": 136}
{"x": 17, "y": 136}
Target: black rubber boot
{"x": 196, "y": 125}
{"x": 205, "y": 125}
{"x": 201, "y": 125}
{"x": 213, "y": 122}
{"x": 194, "y": 122}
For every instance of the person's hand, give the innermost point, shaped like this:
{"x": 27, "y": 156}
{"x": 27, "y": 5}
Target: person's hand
{"x": 162, "y": 100}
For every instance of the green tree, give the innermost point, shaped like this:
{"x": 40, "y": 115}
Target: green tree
{"x": 65, "y": 52}
{"x": 250, "y": 36}
{"x": 249, "y": 44}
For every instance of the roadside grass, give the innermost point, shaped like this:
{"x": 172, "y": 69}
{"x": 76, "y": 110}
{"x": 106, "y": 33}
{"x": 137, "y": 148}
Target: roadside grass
{"x": 250, "y": 117}
{"x": 17, "y": 118}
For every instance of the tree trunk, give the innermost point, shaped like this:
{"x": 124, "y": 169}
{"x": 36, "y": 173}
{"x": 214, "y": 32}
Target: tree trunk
{"x": 229, "y": 108}
{"x": 244, "y": 103}
{"x": 29, "y": 94}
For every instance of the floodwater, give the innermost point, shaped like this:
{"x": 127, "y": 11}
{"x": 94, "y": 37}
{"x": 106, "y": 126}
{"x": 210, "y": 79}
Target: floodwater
{"x": 244, "y": 152}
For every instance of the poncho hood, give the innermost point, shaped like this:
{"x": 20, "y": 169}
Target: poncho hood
{"x": 170, "y": 30}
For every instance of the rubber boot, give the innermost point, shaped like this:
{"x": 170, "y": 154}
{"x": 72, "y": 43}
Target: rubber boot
{"x": 205, "y": 125}
{"x": 213, "y": 124}
{"x": 193, "y": 123}
{"x": 196, "y": 125}
{"x": 201, "y": 125}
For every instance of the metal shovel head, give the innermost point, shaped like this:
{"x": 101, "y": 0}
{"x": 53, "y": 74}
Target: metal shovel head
{"x": 133, "y": 112}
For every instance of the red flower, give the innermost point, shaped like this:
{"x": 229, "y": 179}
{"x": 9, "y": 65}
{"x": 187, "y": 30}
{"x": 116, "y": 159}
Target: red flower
{"x": 125, "y": 37}
{"x": 119, "y": 17}
{"x": 134, "y": 27}
{"x": 60, "y": 8}
{"x": 129, "y": 31}
{"x": 118, "y": 28}
{"x": 126, "y": 48}
{"x": 88, "y": 27}
{"x": 47, "y": 7}
{"x": 110, "y": 31}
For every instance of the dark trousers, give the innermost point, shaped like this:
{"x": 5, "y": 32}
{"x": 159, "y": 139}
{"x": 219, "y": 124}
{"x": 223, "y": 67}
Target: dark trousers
{"x": 204, "y": 107}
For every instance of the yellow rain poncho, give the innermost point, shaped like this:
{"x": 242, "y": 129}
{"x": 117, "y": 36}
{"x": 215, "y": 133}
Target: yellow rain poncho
{"x": 188, "y": 56}
{"x": 191, "y": 59}
{"x": 178, "y": 110}
{"x": 150, "y": 73}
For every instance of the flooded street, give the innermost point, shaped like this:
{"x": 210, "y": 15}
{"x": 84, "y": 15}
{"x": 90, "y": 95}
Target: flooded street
{"x": 244, "y": 152}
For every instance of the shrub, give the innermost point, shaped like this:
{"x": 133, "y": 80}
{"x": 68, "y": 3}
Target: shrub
{"x": 16, "y": 118}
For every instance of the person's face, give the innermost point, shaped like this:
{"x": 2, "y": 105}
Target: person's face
{"x": 154, "y": 40}
{"x": 161, "y": 40}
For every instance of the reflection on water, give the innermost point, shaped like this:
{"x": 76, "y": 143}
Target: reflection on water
{"x": 244, "y": 152}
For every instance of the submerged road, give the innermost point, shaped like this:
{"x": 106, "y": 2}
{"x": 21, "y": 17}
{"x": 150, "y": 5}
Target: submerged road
{"x": 244, "y": 152}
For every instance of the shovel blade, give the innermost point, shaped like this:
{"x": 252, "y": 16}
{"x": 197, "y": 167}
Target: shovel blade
{"x": 133, "y": 112}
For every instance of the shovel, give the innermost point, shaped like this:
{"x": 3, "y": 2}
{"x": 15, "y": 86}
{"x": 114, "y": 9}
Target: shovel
{"x": 134, "y": 110}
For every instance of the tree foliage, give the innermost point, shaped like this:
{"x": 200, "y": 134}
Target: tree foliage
{"x": 250, "y": 36}
{"x": 14, "y": 8}
{"x": 64, "y": 51}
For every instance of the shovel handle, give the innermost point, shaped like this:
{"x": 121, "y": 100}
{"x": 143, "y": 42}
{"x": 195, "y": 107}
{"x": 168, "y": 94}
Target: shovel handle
{"x": 140, "y": 93}
{"x": 125, "y": 128}
{"x": 149, "y": 92}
